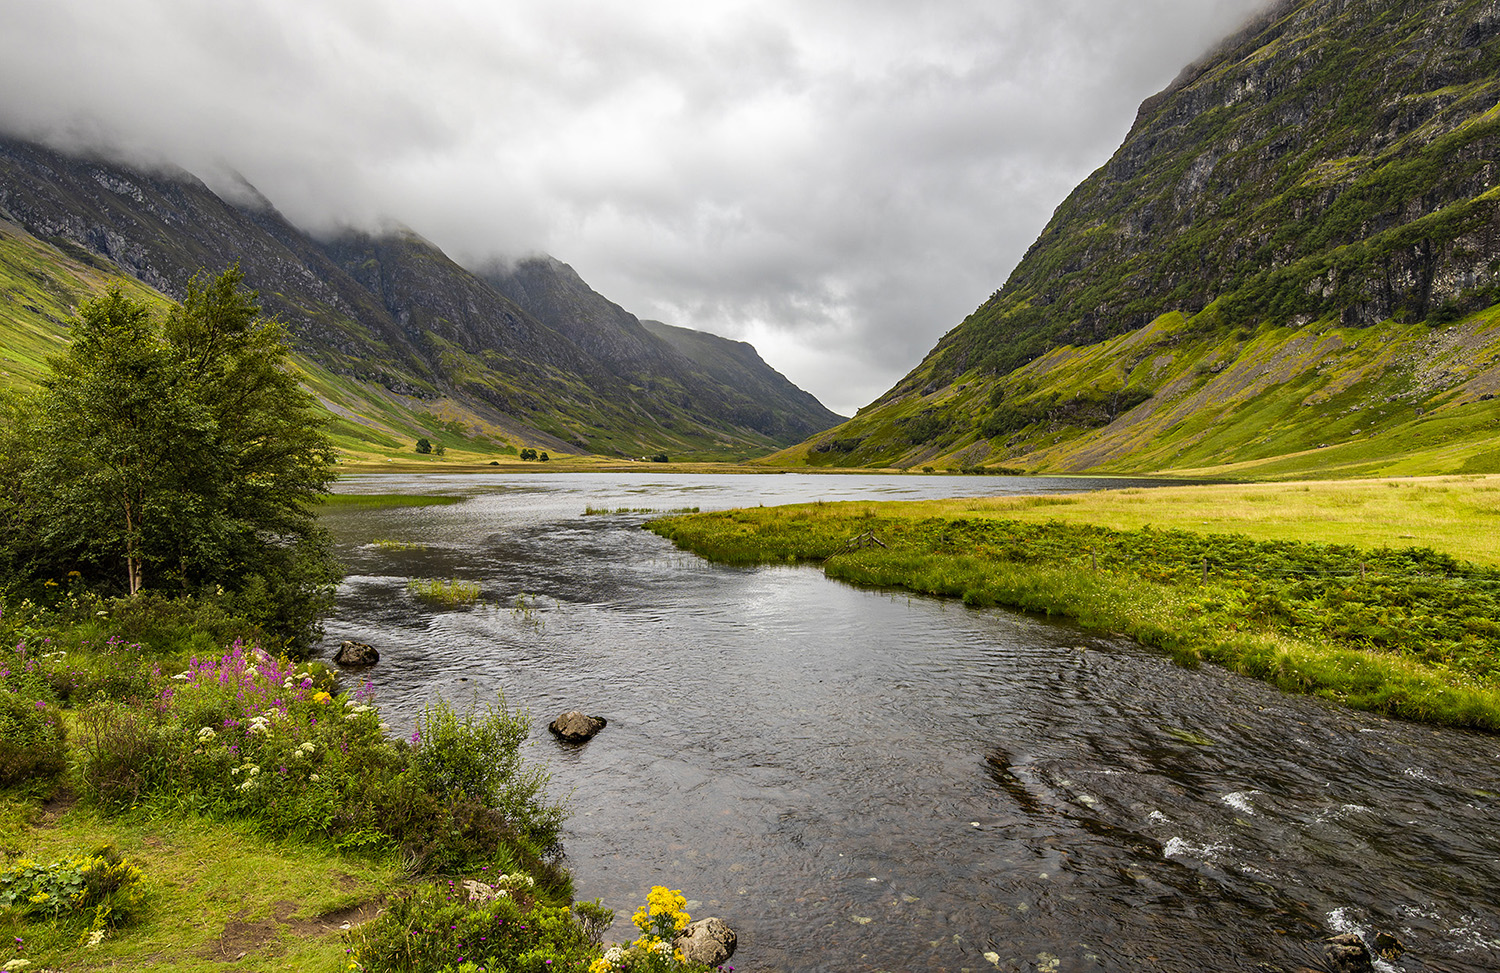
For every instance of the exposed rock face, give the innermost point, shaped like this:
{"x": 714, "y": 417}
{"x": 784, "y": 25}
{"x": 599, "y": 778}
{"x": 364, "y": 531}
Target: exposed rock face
{"x": 1299, "y": 169}
{"x": 576, "y": 727}
{"x": 1347, "y": 953}
{"x": 1331, "y": 165}
{"x": 353, "y": 654}
{"x": 708, "y": 941}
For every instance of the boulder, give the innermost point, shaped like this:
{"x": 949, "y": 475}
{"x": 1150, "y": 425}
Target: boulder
{"x": 708, "y": 941}
{"x": 356, "y": 654}
{"x": 576, "y": 727}
{"x": 1347, "y": 953}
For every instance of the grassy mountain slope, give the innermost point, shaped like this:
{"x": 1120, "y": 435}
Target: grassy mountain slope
{"x": 769, "y": 401}
{"x": 701, "y": 372}
{"x": 398, "y": 340}
{"x": 1305, "y": 223}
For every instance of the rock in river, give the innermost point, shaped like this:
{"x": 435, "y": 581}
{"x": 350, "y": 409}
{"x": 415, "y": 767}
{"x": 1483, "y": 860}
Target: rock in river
{"x": 576, "y": 727}
{"x": 356, "y": 654}
{"x": 708, "y": 941}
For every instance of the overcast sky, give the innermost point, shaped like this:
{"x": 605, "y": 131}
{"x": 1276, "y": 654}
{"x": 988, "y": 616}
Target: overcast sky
{"x": 838, "y": 182}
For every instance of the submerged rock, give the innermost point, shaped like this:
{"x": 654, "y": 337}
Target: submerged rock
{"x": 1347, "y": 953}
{"x": 575, "y": 726}
{"x": 352, "y": 653}
{"x": 708, "y": 941}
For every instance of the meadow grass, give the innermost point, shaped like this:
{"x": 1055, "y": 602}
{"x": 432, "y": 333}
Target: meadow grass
{"x": 1459, "y": 515}
{"x": 1262, "y": 579}
{"x": 215, "y": 890}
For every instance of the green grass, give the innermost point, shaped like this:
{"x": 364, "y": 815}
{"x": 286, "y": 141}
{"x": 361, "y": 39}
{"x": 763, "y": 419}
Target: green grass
{"x": 215, "y": 890}
{"x": 386, "y": 544}
{"x": 592, "y": 511}
{"x": 377, "y": 501}
{"x": 1408, "y": 631}
{"x": 450, "y": 593}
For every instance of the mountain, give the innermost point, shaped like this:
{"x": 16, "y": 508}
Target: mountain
{"x": 1291, "y": 265}
{"x": 397, "y": 339}
{"x": 704, "y": 372}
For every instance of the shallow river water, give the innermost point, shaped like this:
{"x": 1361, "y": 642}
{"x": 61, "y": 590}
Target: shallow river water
{"x": 865, "y": 780}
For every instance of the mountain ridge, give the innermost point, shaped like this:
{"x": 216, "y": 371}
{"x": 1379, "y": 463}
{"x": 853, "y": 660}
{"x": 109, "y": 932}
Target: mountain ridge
{"x": 1330, "y": 167}
{"x": 388, "y": 320}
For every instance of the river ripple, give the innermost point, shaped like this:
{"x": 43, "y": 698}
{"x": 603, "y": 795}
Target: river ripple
{"x": 862, "y": 780}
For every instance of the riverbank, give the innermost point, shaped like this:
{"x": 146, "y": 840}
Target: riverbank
{"x": 170, "y": 810}
{"x": 1257, "y": 578}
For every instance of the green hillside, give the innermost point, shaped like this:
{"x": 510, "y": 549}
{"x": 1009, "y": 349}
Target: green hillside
{"x": 1289, "y": 267}
{"x": 398, "y": 340}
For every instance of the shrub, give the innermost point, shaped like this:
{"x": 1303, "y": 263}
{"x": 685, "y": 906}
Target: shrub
{"x": 469, "y": 927}
{"x": 33, "y": 744}
{"x": 424, "y": 446}
{"x": 103, "y": 887}
{"x": 253, "y": 737}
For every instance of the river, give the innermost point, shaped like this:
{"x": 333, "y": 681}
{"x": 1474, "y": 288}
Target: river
{"x": 864, "y": 780}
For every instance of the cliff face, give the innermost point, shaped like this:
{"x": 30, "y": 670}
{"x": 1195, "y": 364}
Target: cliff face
{"x": 1332, "y": 165}
{"x": 1336, "y": 160}
{"x": 395, "y": 313}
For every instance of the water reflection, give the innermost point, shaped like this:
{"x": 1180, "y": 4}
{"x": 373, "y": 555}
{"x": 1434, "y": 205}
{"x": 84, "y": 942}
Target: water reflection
{"x": 863, "y": 780}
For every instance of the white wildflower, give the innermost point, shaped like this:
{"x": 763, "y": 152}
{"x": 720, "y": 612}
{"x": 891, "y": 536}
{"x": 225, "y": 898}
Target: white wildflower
{"x": 95, "y": 938}
{"x": 206, "y": 734}
{"x": 314, "y": 778}
{"x": 16, "y": 964}
{"x": 251, "y": 670}
{"x": 184, "y": 675}
{"x": 614, "y": 955}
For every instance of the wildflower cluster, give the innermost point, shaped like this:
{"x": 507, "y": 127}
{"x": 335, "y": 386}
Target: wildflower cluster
{"x": 249, "y": 735}
{"x": 661, "y": 920}
{"x": 103, "y": 887}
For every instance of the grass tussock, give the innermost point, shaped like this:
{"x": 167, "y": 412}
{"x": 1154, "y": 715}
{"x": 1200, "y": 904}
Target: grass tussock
{"x": 379, "y": 501}
{"x": 1404, "y": 630}
{"x": 449, "y": 593}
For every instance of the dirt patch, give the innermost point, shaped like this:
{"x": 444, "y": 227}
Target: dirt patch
{"x": 56, "y": 806}
{"x": 242, "y": 937}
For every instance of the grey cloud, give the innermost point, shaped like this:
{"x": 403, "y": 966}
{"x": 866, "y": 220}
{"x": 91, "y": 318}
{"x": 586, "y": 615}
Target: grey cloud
{"x": 839, "y": 182}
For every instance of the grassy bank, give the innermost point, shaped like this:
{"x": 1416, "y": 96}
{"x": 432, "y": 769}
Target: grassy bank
{"x": 1406, "y": 630}
{"x": 166, "y": 809}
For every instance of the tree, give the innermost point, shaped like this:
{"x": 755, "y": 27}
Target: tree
{"x": 176, "y": 454}
{"x": 424, "y": 445}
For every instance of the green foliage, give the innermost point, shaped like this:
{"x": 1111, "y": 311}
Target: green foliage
{"x": 452, "y": 928}
{"x": 528, "y": 453}
{"x": 450, "y": 593}
{"x": 477, "y": 758}
{"x": 33, "y": 742}
{"x": 177, "y": 455}
{"x": 250, "y": 737}
{"x": 102, "y": 888}
{"x": 424, "y": 445}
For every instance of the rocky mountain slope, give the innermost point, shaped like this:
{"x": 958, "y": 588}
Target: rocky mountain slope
{"x": 398, "y": 339}
{"x": 701, "y": 371}
{"x": 1303, "y": 228}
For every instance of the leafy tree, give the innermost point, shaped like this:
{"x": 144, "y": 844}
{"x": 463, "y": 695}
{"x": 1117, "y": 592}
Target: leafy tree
{"x": 175, "y": 454}
{"x": 424, "y": 445}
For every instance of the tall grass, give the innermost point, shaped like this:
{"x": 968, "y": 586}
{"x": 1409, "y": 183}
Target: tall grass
{"x": 450, "y": 593}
